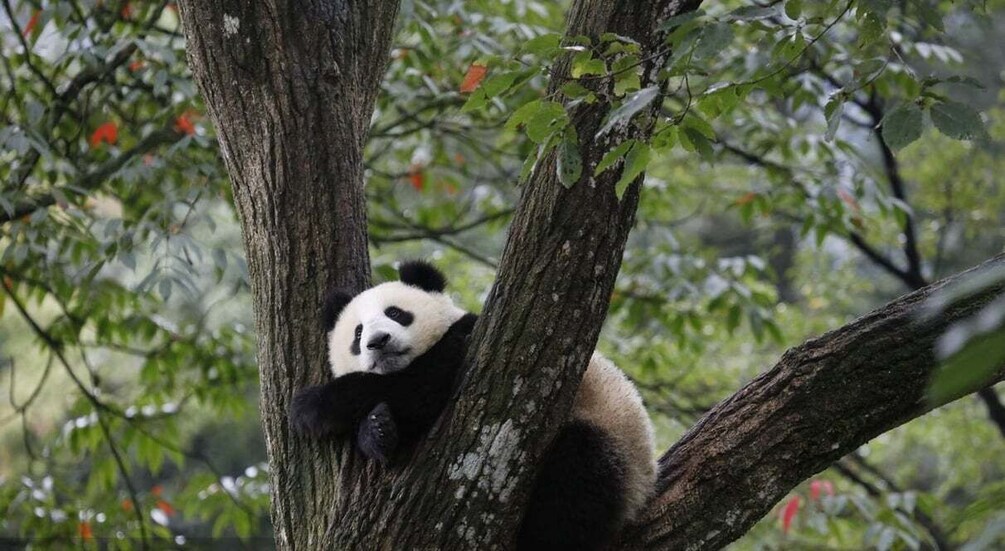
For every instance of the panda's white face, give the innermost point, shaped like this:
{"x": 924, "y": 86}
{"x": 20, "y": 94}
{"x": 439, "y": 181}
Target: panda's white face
{"x": 386, "y": 327}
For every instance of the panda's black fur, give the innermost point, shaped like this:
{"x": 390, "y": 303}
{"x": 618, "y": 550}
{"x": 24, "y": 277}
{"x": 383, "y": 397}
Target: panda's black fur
{"x": 585, "y": 484}
{"x": 413, "y": 396}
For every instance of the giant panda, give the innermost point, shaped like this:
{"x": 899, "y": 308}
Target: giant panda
{"x": 396, "y": 350}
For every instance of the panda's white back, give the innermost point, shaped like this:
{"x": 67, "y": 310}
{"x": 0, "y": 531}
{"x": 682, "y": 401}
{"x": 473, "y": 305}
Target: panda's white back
{"x": 609, "y": 401}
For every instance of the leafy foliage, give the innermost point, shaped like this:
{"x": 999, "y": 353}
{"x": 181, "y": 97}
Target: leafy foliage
{"x": 808, "y": 161}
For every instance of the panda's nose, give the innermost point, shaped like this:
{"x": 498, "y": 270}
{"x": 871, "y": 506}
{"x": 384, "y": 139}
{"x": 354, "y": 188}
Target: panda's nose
{"x": 378, "y": 341}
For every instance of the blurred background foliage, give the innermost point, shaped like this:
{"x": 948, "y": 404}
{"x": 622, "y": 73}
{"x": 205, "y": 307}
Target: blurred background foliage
{"x": 814, "y": 160}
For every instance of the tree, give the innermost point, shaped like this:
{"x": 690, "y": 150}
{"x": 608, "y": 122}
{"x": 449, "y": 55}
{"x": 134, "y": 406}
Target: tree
{"x": 290, "y": 92}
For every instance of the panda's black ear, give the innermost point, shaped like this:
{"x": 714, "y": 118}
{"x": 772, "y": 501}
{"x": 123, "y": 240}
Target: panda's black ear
{"x": 423, "y": 275}
{"x": 335, "y": 301}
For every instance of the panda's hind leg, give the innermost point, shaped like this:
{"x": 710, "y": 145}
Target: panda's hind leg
{"x": 578, "y": 500}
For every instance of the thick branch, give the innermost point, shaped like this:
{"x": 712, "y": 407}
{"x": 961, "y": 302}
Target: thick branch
{"x": 911, "y": 276}
{"x": 821, "y": 401}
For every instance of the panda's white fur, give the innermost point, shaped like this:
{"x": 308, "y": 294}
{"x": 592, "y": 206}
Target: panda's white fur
{"x": 606, "y": 398}
{"x": 434, "y": 314}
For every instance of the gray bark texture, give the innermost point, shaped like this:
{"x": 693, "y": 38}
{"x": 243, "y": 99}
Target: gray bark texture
{"x": 290, "y": 88}
{"x": 821, "y": 400}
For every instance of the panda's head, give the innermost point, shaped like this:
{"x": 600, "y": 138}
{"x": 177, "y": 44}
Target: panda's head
{"x": 385, "y": 327}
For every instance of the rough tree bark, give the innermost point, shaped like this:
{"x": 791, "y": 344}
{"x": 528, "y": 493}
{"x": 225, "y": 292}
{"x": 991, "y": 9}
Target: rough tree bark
{"x": 822, "y": 400}
{"x": 290, "y": 88}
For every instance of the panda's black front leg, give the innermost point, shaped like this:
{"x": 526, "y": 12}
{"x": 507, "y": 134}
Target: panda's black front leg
{"x": 377, "y": 435}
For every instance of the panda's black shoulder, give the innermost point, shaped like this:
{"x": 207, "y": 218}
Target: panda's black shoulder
{"x": 458, "y": 336}
{"x": 462, "y": 328}
{"x": 452, "y": 346}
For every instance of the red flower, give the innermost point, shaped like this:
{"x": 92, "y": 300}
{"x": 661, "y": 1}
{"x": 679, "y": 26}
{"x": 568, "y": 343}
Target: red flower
{"x": 473, "y": 78}
{"x": 136, "y": 65}
{"x": 127, "y": 11}
{"x": 183, "y": 125}
{"x": 789, "y": 513}
{"x": 84, "y": 529}
{"x": 108, "y": 132}
{"x": 127, "y": 505}
{"x": 165, "y": 507}
{"x": 32, "y": 23}
{"x": 819, "y": 486}
{"x": 416, "y": 177}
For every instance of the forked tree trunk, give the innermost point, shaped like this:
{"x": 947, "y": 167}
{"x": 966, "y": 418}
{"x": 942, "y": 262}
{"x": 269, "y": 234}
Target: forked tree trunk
{"x": 290, "y": 88}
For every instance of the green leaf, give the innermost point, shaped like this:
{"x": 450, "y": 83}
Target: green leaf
{"x": 492, "y": 87}
{"x": 626, "y": 74}
{"x": 930, "y": 15}
{"x": 957, "y": 120}
{"x": 523, "y": 114}
{"x": 714, "y": 38}
{"x": 632, "y": 105}
{"x": 613, "y": 156}
{"x": 540, "y": 119}
{"x": 575, "y": 90}
{"x": 635, "y": 163}
{"x": 832, "y": 112}
{"x": 966, "y": 80}
{"x": 664, "y": 140}
{"x": 585, "y": 64}
{"x": 528, "y": 166}
{"x": 549, "y": 119}
{"x": 751, "y": 13}
{"x": 544, "y": 45}
{"x": 693, "y": 140}
{"x": 968, "y": 369}
{"x": 569, "y": 162}
{"x": 793, "y": 8}
{"x": 902, "y": 126}
{"x": 676, "y": 21}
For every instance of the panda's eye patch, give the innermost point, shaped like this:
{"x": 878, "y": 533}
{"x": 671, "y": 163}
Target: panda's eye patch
{"x": 354, "y": 347}
{"x": 399, "y": 315}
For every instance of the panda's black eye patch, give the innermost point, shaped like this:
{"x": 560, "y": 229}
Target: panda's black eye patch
{"x": 399, "y": 315}
{"x": 355, "y": 341}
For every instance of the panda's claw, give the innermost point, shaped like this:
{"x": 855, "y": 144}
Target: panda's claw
{"x": 377, "y": 437}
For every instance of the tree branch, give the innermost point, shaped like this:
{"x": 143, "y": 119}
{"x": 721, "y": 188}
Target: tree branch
{"x": 911, "y": 276}
{"x": 822, "y": 400}
{"x": 92, "y": 180}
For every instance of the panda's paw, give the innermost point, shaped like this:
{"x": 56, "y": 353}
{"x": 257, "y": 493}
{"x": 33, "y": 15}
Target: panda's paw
{"x": 377, "y": 437}
{"x": 307, "y": 413}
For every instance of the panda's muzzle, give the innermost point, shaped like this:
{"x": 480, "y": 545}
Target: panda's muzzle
{"x": 378, "y": 341}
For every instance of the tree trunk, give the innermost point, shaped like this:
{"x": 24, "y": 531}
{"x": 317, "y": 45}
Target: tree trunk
{"x": 290, "y": 88}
